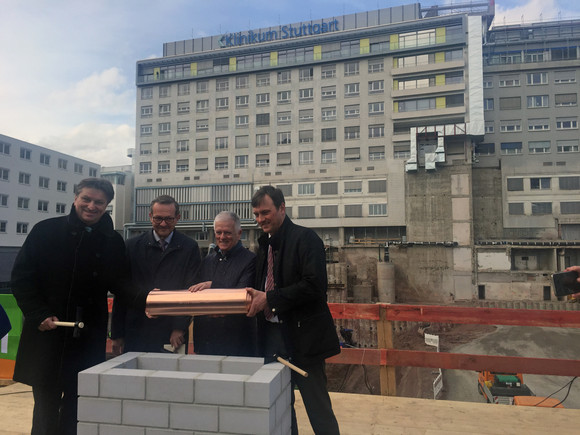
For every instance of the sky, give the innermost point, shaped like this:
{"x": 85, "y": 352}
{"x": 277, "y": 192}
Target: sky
{"x": 67, "y": 67}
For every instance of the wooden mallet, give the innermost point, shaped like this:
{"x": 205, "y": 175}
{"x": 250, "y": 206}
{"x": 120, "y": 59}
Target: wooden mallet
{"x": 291, "y": 366}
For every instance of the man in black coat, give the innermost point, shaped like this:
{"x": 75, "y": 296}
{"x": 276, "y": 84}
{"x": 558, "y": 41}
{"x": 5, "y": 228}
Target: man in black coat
{"x": 161, "y": 258}
{"x": 293, "y": 316}
{"x": 63, "y": 272}
{"x": 229, "y": 265}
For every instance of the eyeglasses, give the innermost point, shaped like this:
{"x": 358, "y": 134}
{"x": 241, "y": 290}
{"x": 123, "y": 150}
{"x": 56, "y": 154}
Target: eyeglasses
{"x": 159, "y": 219}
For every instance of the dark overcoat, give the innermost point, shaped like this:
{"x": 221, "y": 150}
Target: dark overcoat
{"x": 176, "y": 268}
{"x": 299, "y": 296}
{"x": 65, "y": 269}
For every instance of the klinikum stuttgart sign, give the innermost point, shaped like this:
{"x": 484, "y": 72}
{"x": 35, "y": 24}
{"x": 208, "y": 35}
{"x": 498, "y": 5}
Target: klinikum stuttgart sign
{"x": 285, "y": 32}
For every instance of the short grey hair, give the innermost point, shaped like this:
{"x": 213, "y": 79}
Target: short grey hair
{"x": 231, "y": 216}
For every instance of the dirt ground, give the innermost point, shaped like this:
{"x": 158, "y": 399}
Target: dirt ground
{"x": 414, "y": 382}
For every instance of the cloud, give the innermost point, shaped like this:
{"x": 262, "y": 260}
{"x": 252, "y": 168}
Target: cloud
{"x": 532, "y": 11}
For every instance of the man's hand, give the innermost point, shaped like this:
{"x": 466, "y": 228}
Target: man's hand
{"x": 259, "y": 301}
{"x": 48, "y": 324}
{"x": 177, "y": 338}
{"x": 577, "y": 270}
{"x": 118, "y": 346}
{"x": 200, "y": 286}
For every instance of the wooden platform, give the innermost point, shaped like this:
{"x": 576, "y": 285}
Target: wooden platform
{"x": 363, "y": 414}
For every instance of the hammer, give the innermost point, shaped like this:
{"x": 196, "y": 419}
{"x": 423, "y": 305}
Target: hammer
{"x": 78, "y": 325}
{"x": 291, "y": 366}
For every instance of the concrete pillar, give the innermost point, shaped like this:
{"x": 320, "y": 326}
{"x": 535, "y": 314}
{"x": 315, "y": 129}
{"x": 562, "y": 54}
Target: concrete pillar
{"x": 386, "y": 282}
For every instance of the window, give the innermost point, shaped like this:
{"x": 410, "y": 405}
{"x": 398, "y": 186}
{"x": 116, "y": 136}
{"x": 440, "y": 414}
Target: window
{"x": 488, "y": 104}
{"x": 541, "y": 208}
{"x": 516, "y": 208}
{"x": 61, "y": 186}
{"x": 241, "y": 162}
{"x": 146, "y": 93}
{"x": 567, "y": 123}
{"x": 262, "y": 99}
{"x": 221, "y": 143}
{"x": 262, "y": 160}
{"x": 60, "y": 208}
{"x": 242, "y": 101}
{"x": 263, "y": 79}
{"x": 146, "y": 130}
{"x": 284, "y": 77}
{"x": 489, "y": 127}
{"x": 262, "y": 119}
{"x": 25, "y": 154}
{"x": 202, "y": 106}
{"x": 540, "y": 183}
{"x": 164, "y": 109}
{"x": 306, "y": 212}
{"x": 376, "y": 66}
{"x": 306, "y": 94}
{"x": 329, "y": 113}
{"x": 163, "y": 166}
{"x": 571, "y": 207}
{"x": 306, "y": 115}
{"x": 377, "y": 153}
{"x": 567, "y": 146}
{"x": 42, "y": 205}
{"x": 164, "y": 127}
{"x": 487, "y": 83}
{"x": 284, "y": 118}
{"x": 306, "y": 74}
{"x": 539, "y": 78}
{"x": 22, "y": 228}
{"x": 569, "y": 183}
{"x": 221, "y": 163}
{"x": 328, "y": 92}
{"x": 352, "y": 111}
{"x": 262, "y": 139}
{"x": 330, "y": 188}
{"x": 182, "y": 145}
{"x": 284, "y": 138}
{"x": 305, "y": 189}
{"x": 352, "y": 154}
{"x": 201, "y": 164}
{"x": 485, "y": 149}
{"x": 515, "y": 184}
{"x": 568, "y": 76}
{"x": 351, "y": 89}
{"x": 183, "y": 107}
{"x": 182, "y": 89}
{"x": 164, "y": 91}
{"x": 4, "y": 174}
{"x": 376, "y": 86}
{"x": 328, "y": 71}
{"x": 242, "y": 142}
{"x": 3, "y": 227}
{"x": 182, "y": 126}
{"x": 182, "y": 165}
{"x": 565, "y": 100}
{"x": 222, "y": 84}
{"x": 376, "y": 108}
{"x": 92, "y": 172}
{"x": 536, "y": 101}
{"x": 352, "y": 186}
{"x": 284, "y": 159}
{"x": 222, "y": 103}
{"x": 510, "y": 103}
{"x": 283, "y": 97}
{"x": 351, "y": 69}
{"x": 24, "y": 178}
{"x": 509, "y": 81}
{"x": 377, "y": 209}
{"x": 221, "y": 123}
{"x": 510, "y": 126}
{"x": 377, "y": 130}
{"x": 352, "y": 132}
{"x": 201, "y": 144}
{"x": 377, "y": 186}
{"x": 145, "y": 167}
{"x": 23, "y": 203}
{"x": 541, "y": 124}
{"x": 242, "y": 121}
{"x": 163, "y": 147}
{"x": 305, "y": 136}
{"x": 43, "y": 182}
{"x": 328, "y": 156}
{"x": 353, "y": 210}
{"x": 202, "y": 87}
{"x": 511, "y": 148}
{"x": 539, "y": 147}
{"x": 242, "y": 82}
{"x": 329, "y": 211}
{"x": 146, "y": 111}
{"x": 306, "y": 157}
{"x": 3, "y": 200}
{"x": 328, "y": 134}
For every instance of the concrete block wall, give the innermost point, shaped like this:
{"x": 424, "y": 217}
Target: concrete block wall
{"x": 170, "y": 394}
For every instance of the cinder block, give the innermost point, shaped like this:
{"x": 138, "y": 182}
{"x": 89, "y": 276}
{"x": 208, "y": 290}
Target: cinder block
{"x": 97, "y": 410}
{"x": 283, "y": 402}
{"x": 107, "y": 429}
{"x": 168, "y": 386}
{"x": 195, "y": 417}
{"x": 143, "y": 413}
{"x": 243, "y": 420}
{"x": 152, "y": 431}
{"x": 262, "y": 388}
{"x": 87, "y": 429}
{"x": 201, "y": 363}
{"x": 123, "y": 383}
{"x": 286, "y": 422}
{"x": 158, "y": 361}
{"x": 286, "y": 373}
{"x": 220, "y": 389}
{"x": 240, "y": 365}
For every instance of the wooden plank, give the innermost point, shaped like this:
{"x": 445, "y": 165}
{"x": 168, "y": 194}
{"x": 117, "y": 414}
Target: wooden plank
{"x": 482, "y": 316}
{"x": 388, "y": 380}
{"x": 355, "y": 311}
{"x": 367, "y": 357}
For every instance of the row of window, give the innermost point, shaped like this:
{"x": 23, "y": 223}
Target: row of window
{"x": 24, "y": 204}
{"x": 263, "y": 160}
{"x": 543, "y": 183}
{"x": 542, "y": 208}
{"x": 331, "y": 211}
{"x": 532, "y": 79}
{"x": 21, "y": 227}
{"x": 535, "y": 124}
{"x": 534, "y": 147}
{"x": 332, "y": 188}
{"x": 24, "y": 179}
{"x": 532, "y": 102}
{"x": 531, "y": 55}
{"x": 44, "y": 159}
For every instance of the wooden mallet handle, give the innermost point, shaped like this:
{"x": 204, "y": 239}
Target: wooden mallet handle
{"x": 292, "y": 366}
{"x": 81, "y": 325}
